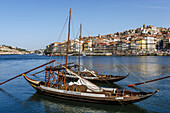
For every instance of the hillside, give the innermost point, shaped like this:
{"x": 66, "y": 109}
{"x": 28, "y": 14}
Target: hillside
{"x": 6, "y": 50}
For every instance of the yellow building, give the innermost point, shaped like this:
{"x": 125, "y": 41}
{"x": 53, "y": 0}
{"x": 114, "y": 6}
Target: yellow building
{"x": 138, "y": 44}
{"x": 85, "y": 46}
{"x": 141, "y": 44}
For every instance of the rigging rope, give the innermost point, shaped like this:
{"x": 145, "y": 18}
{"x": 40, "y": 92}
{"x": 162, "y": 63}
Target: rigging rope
{"x": 63, "y": 29}
{"x": 123, "y": 67}
{"x": 86, "y": 30}
{"x": 77, "y": 33}
{"x": 132, "y": 73}
{"x": 60, "y": 34}
{"x": 73, "y": 28}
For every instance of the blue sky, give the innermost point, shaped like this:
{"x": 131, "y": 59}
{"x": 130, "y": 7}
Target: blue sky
{"x": 34, "y": 24}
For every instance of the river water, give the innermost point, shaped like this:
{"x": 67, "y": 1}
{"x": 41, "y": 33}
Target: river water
{"x": 18, "y": 96}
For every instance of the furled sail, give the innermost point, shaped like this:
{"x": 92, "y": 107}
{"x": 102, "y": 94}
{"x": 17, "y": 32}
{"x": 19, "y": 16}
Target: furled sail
{"x": 92, "y": 72}
{"x": 83, "y": 81}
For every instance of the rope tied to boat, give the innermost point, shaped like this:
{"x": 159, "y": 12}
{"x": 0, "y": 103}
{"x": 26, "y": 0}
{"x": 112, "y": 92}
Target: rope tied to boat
{"x": 132, "y": 73}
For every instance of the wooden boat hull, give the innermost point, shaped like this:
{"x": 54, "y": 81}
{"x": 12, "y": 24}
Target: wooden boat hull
{"x": 83, "y": 96}
{"x": 99, "y": 79}
{"x": 87, "y": 99}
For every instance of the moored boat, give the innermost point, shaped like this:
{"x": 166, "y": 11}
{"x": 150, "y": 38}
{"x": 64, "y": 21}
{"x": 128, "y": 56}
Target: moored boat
{"x": 86, "y": 91}
{"x": 88, "y": 74}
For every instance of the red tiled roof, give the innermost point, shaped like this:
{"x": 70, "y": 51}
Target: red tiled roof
{"x": 110, "y": 34}
{"x": 103, "y": 43}
{"x": 167, "y": 37}
{"x": 113, "y": 43}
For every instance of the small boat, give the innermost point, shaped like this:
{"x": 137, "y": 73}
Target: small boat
{"x": 88, "y": 74}
{"x": 84, "y": 90}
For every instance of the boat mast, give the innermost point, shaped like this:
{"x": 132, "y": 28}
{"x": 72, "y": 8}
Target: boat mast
{"x": 79, "y": 46}
{"x": 67, "y": 45}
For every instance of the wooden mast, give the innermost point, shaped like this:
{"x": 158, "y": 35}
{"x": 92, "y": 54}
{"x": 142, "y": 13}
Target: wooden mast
{"x": 67, "y": 45}
{"x": 79, "y": 46}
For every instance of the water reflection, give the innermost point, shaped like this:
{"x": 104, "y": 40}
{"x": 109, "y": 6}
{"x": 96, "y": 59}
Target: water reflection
{"x": 59, "y": 105}
{"x": 147, "y": 71}
{"x": 103, "y": 65}
{"x": 145, "y": 67}
{"x": 10, "y": 95}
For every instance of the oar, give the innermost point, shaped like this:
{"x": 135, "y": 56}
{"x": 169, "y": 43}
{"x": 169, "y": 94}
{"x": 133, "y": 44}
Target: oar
{"x": 132, "y": 85}
{"x": 28, "y": 71}
{"x": 37, "y": 72}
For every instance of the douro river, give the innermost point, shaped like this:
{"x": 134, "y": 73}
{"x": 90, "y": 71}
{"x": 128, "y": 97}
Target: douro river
{"x": 18, "y": 96}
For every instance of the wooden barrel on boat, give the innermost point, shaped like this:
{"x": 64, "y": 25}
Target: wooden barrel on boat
{"x": 78, "y": 88}
{"x": 83, "y": 88}
{"x": 64, "y": 87}
{"x": 72, "y": 88}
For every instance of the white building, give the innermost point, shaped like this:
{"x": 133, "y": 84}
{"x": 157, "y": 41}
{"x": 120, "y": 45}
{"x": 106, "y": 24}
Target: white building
{"x": 150, "y": 44}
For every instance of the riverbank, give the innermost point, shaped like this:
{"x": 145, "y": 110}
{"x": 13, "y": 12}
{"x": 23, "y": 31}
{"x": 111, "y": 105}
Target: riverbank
{"x": 111, "y": 54}
{"x": 13, "y": 53}
{"x": 88, "y": 54}
{"x": 9, "y": 50}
